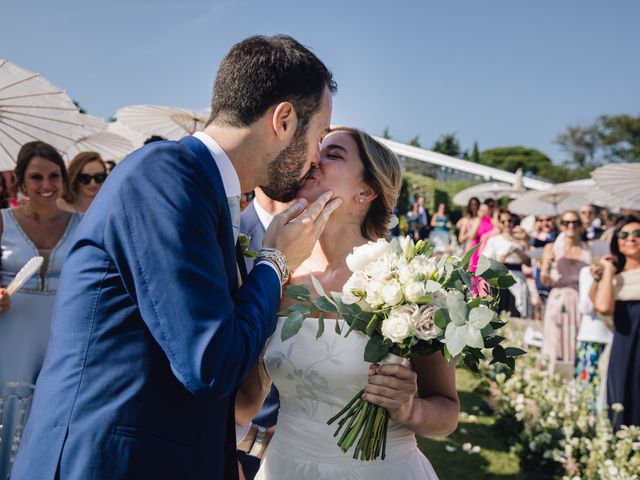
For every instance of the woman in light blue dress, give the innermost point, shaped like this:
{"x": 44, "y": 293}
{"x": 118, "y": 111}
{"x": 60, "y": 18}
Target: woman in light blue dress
{"x": 39, "y": 227}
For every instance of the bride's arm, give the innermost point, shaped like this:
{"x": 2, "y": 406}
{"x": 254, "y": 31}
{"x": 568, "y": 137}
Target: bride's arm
{"x": 251, "y": 394}
{"x": 434, "y": 411}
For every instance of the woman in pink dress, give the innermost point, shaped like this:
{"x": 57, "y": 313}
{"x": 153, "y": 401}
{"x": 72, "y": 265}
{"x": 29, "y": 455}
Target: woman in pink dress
{"x": 568, "y": 254}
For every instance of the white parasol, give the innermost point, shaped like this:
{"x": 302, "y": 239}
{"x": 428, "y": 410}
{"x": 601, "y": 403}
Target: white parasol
{"x": 169, "y": 122}
{"x": 621, "y": 182}
{"x": 31, "y": 109}
{"x": 95, "y": 137}
{"x": 490, "y": 190}
{"x": 554, "y": 200}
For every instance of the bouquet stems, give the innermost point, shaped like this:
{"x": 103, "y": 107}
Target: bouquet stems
{"x": 366, "y": 426}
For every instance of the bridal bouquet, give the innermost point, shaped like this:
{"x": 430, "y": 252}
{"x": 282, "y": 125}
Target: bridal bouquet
{"x": 408, "y": 303}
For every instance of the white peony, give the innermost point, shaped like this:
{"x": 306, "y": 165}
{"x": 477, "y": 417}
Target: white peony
{"x": 383, "y": 267}
{"x": 397, "y": 327}
{"x": 365, "y": 254}
{"x": 414, "y": 291}
{"x": 423, "y": 323}
{"x": 373, "y": 297}
{"x": 391, "y": 292}
{"x": 355, "y": 288}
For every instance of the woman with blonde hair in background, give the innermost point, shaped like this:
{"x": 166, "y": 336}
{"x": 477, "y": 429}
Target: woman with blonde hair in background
{"x": 87, "y": 173}
{"x": 562, "y": 261}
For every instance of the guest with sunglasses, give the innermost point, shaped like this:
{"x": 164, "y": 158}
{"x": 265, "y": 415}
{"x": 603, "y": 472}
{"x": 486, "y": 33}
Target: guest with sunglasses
{"x": 87, "y": 173}
{"x": 616, "y": 293}
{"x": 561, "y": 264}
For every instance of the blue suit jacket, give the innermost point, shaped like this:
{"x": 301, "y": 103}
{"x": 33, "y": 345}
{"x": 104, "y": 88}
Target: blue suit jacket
{"x": 251, "y": 225}
{"x": 150, "y": 336}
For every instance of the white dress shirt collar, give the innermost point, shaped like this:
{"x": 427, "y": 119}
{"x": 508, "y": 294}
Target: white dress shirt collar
{"x": 264, "y": 216}
{"x": 230, "y": 179}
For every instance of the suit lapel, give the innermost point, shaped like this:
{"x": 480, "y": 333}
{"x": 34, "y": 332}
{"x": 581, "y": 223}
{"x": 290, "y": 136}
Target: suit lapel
{"x": 225, "y": 231}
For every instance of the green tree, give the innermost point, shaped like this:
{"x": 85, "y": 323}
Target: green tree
{"x": 448, "y": 144}
{"x": 510, "y": 159}
{"x": 386, "y": 133}
{"x": 620, "y": 136}
{"x": 582, "y": 143}
{"x": 475, "y": 153}
{"x": 415, "y": 141}
{"x": 403, "y": 198}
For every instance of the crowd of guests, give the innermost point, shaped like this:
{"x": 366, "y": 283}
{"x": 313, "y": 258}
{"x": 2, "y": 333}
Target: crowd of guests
{"x": 578, "y": 281}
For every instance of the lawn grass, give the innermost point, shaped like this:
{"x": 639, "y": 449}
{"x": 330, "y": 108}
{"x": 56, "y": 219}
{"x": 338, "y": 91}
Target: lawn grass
{"x": 493, "y": 461}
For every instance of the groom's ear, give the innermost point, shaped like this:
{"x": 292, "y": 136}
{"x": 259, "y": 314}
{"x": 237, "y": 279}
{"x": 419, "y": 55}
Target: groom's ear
{"x": 284, "y": 122}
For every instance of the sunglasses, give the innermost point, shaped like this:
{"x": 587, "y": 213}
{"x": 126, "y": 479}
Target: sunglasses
{"x": 566, "y": 223}
{"x": 623, "y": 235}
{"x": 85, "y": 178}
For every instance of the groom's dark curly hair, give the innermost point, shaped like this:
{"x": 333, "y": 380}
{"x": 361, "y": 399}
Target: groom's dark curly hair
{"x": 260, "y": 72}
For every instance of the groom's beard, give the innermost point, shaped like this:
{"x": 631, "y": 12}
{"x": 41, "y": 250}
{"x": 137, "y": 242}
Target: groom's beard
{"x": 284, "y": 173}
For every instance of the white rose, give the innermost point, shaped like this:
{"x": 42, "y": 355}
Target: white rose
{"x": 373, "y": 297}
{"x": 355, "y": 288}
{"x": 414, "y": 291}
{"x": 423, "y": 324}
{"x": 406, "y": 272}
{"x": 391, "y": 292}
{"x": 365, "y": 254}
{"x": 397, "y": 326}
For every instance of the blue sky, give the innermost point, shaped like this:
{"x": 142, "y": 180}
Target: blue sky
{"x": 500, "y": 72}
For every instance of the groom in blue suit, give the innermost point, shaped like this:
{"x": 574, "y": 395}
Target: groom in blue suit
{"x": 152, "y": 334}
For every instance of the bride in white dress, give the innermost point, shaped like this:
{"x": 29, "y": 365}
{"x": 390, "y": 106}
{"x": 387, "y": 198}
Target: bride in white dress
{"x": 317, "y": 377}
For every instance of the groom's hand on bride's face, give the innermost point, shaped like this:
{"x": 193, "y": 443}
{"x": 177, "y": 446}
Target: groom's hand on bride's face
{"x": 295, "y": 231}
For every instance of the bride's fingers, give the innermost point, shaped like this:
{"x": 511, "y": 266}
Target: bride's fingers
{"x": 399, "y": 371}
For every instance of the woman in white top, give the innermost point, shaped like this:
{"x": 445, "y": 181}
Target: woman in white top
{"x": 510, "y": 251}
{"x": 593, "y": 335}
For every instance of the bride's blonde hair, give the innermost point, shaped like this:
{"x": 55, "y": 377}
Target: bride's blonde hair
{"x": 383, "y": 174}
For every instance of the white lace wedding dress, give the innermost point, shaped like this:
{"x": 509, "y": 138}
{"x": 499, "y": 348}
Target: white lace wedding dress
{"x": 316, "y": 379}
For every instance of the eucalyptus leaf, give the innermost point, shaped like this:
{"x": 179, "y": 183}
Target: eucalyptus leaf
{"x": 317, "y": 285}
{"x": 291, "y": 325}
{"x": 298, "y": 292}
{"x": 324, "y": 304}
{"x": 296, "y": 307}
{"x": 376, "y": 349}
{"x": 464, "y": 276}
{"x": 441, "y": 318}
{"x": 464, "y": 263}
{"x": 320, "y": 325}
{"x": 372, "y": 326}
